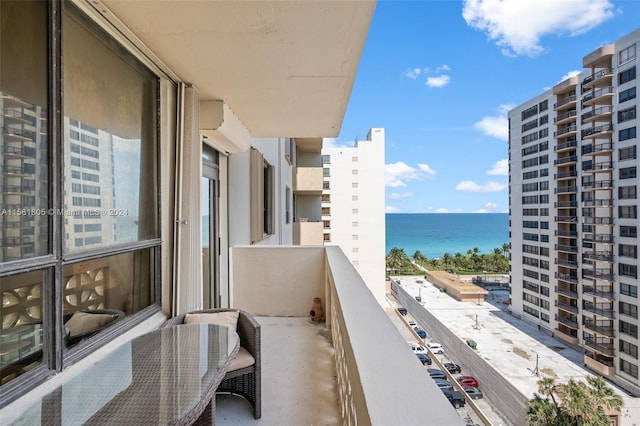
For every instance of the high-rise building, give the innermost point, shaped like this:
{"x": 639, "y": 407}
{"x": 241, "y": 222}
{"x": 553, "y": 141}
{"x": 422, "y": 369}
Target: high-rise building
{"x": 574, "y": 211}
{"x": 353, "y": 211}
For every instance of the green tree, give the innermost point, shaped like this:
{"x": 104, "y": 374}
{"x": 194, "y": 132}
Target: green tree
{"x": 541, "y": 412}
{"x": 446, "y": 258}
{"x": 418, "y": 257}
{"x": 395, "y": 259}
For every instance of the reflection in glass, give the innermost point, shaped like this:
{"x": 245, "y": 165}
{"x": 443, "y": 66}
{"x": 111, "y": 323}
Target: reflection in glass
{"x": 24, "y": 201}
{"x": 99, "y": 293}
{"x": 21, "y": 340}
{"x": 109, "y": 143}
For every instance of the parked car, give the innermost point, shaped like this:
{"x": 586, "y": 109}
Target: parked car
{"x": 467, "y": 381}
{"x": 417, "y": 348}
{"x": 436, "y": 373}
{"x": 424, "y": 358}
{"x": 402, "y": 310}
{"x": 412, "y": 323}
{"x": 455, "y": 398}
{"x": 443, "y": 384}
{"x": 473, "y": 392}
{"x": 420, "y": 332}
{"x": 436, "y": 348}
{"x": 452, "y": 368}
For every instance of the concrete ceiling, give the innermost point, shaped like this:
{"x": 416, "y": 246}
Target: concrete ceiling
{"x": 285, "y": 68}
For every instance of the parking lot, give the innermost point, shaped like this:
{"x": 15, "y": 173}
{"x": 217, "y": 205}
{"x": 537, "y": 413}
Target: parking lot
{"x": 466, "y": 412}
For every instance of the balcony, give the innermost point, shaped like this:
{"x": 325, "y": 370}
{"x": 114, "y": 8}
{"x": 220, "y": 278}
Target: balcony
{"x": 308, "y": 181}
{"x": 599, "y": 238}
{"x": 603, "y": 292}
{"x": 570, "y": 292}
{"x": 567, "y": 234}
{"x": 598, "y": 96}
{"x": 597, "y": 149}
{"x": 598, "y": 273}
{"x": 598, "y": 78}
{"x": 566, "y": 145}
{"x": 601, "y": 113}
{"x": 567, "y": 174}
{"x": 604, "y": 310}
{"x": 566, "y": 219}
{"x": 597, "y": 131}
{"x": 365, "y": 390}
{"x": 567, "y": 321}
{"x": 598, "y": 184}
{"x": 567, "y": 307}
{"x": 601, "y": 327}
{"x": 567, "y": 278}
{"x": 566, "y": 160}
{"x": 598, "y": 220}
{"x": 565, "y": 103}
{"x": 604, "y": 256}
{"x": 565, "y": 189}
{"x": 567, "y": 263}
{"x": 600, "y": 365}
{"x": 565, "y": 131}
{"x": 608, "y": 202}
{"x": 603, "y": 348}
{"x": 565, "y": 117}
{"x": 307, "y": 233}
{"x": 335, "y": 372}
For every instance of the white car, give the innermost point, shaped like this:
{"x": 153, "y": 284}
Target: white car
{"x": 417, "y": 348}
{"x": 412, "y": 323}
{"x": 436, "y": 348}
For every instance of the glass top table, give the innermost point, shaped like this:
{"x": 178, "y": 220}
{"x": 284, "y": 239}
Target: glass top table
{"x": 167, "y": 376}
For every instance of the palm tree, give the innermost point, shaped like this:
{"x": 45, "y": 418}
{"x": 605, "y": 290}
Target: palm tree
{"x": 446, "y": 258}
{"x": 576, "y": 402}
{"x": 506, "y": 248}
{"x": 541, "y": 412}
{"x": 395, "y": 259}
{"x": 418, "y": 257}
{"x": 547, "y": 387}
{"x": 603, "y": 395}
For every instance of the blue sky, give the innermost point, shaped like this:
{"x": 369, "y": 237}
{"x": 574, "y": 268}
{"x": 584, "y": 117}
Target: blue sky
{"x": 441, "y": 75}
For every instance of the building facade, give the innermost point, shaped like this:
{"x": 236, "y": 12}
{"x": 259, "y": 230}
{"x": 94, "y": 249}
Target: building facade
{"x": 573, "y": 211}
{"x": 353, "y": 211}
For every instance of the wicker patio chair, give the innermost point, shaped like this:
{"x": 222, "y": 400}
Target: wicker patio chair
{"x": 245, "y": 382}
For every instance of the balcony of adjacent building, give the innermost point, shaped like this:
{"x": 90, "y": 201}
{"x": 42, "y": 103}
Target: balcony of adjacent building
{"x": 308, "y": 180}
{"x": 566, "y": 174}
{"x": 571, "y": 189}
{"x": 566, "y": 131}
{"x": 567, "y": 305}
{"x": 597, "y": 184}
{"x": 600, "y": 113}
{"x": 603, "y": 365}
{"x": 603, "y": 149}
{"x": 566, "y": 218}
{"x": 567, "y": 329}
{"x": 307, "y": 232}
{"x": 598, "y": 220}
{"x": 599, "y": 131}
{"x": 604, "y": 238}
{"x": 597, "y": 202}
{"x": 565, "y": 145}
{"x": 602, "y": 345}
{"x": 602, "y": 291}
{"x": 566, "y": 160}
{"x": 567, "y": 290}
{"x": 567, "y": 263}
{"x": 604, "y": 310}
{"x": 601, "y": 327}
{"x": 565, "y": 117}
{"x": 599, "y": 78}
{"x": 598, "y": 255}
{"x": 598, "y": 96}
{"x": 566, "y": 233}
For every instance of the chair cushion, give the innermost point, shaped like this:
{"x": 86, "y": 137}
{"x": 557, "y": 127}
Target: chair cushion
{"x": 86, "y": 322}
{"x": 242, "y": 360}
{"x": 226, "y": 318}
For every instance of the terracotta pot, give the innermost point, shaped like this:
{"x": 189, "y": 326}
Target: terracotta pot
{"x": 317, "y": 313}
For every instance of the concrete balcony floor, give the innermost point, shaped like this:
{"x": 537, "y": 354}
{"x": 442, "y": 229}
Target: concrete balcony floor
{"x": 298, "y": 378}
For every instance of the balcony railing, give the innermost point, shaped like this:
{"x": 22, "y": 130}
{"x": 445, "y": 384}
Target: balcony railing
{"x": 599, "y": 291}
{"x": 571, "y": 292}
{"x": 565, "y": 145}
{"x": 567, "y": 248}
{"x": 597, "y": 148}
{"x": 600, "y": 329}
{"x": 567, "y": 307}
{"x": 603, "y": 311}
{"x": 565, "y": 101}
{"x": 596, "y": 130}
{"x": 608, "y": 202}
{"x": 593, "y": 97}
{"x": 598, "y": 220}
{"x": 569, "y": 219}
{"x": 569, "y": 234}
{"x": 565, "y": 160}
{"x": 606, "y": 349}
{"x": 567, "y": 174}
{"x": 599, "y": 238}
{"x": 567, "y": 321}
{"x": 599, "y": 184}
{"x": 569, "y": 129}
{"x": 567, "y": 263}
{"x": 598, "y": 273}
{"x": 568, "y": 114}
{"x": 605, "y": 72}
{"x": 603, "y": 255}
{"x": 605, "y": 109}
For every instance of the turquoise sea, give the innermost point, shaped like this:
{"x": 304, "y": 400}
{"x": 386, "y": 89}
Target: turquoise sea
{"x": 437, "y": 233}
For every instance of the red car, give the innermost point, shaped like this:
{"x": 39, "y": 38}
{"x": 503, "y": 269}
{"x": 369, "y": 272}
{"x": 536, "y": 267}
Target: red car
{"x": 467, "y": 381}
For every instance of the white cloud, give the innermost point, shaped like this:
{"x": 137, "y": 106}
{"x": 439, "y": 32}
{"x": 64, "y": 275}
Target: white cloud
{"x": 441, "y": 210}
{"x": 439, "y": 81}
{"x": 400, "y": 195}
{"x": 471, "y": 186}
{"x": 496, "y": 126}
{"x": 518, "y": 25}
{"x": 569, "y": 75}
{"x": 413, "y": 73}
{"x": 500, "y": 168}
{"x": 396, "y": 174}
{"x": 443, "y": 67}
{"x": 391, "y": 209}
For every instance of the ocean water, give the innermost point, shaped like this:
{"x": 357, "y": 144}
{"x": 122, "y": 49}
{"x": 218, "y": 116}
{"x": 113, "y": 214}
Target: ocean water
{"x": 437, "y": 233}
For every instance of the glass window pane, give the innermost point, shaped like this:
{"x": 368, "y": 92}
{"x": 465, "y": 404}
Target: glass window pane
{"x": 110, "y": 182}
{"x": 24, "y": 203}
{"x": 105, "y": 291}
{"x": 21, "y": 340}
